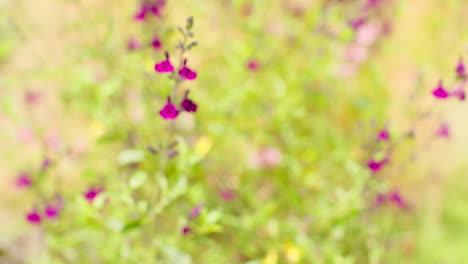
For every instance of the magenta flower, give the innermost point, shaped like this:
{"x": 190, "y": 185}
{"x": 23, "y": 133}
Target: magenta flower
{"x": 443, "y": 131}
{"x": 164, "y": 66}
{"x": 253, "y": 65}
{"x": 156, "y": 43}
{"x": 52, "y": 210}
{"x": 186, "y": 230}
{"x": 92, "y": 193}
{"x": 133, "y": 44}
{"x": 195, "y": 211}
{"x": 169, "y": 111}
{"x": 33, "y": 217}
{"x": 383, "y": 135}
{"x": 227, "y": 195}
{"x": 141, "y": 13}
{"x": 23, "y": 180}
{"x": 376, "y": 166}
{"x": 460, "y": 69}
{"x": 459, "y": 93}
{"x": 357, "y": 23}
{"x": 186, "y": 73}
{"x": 187, "y": 104}
{"x": 396, "y": 198}
{"x": 440, "y": 92}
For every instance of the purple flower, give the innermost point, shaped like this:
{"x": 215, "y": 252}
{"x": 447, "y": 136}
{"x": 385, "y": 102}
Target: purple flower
{"x": 383, "y": 135}
{"x": 187, "y": 104}
{"x": 164, "y": 66}
{"x": 186, "y": 230}
{"x": 186, "y": 73}
{"x": 169, "y": 111}
{"x": 133, "y": 44}
{"x": 440, "y": 92}
{"x": 443, "y": 131}
{"x": 23, "y": 180}
{"x": 253, "y": 65}
{"x": 195, "y": 211}
{"x": 376, "y": 166}
{"x": 92, "y": 193}
{"x": 156, "y": 43}
{"x": 460, "y": 69}
{"x": 33, "y": 217}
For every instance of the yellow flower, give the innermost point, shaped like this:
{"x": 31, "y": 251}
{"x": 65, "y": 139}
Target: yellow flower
{"x": 271, "y": 257}
{"x": 203, "y": 145}
{"x": 292, "y": 253}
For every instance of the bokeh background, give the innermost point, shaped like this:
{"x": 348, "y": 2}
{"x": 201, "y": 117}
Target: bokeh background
{"x": 315, "y": 100}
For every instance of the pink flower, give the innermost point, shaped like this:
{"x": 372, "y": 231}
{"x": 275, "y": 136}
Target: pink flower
{"x": 169, "y": 111}
{"x": 32, "y": 97}
{"x": 33, "y": 217}
{"x": 25, "y": 135}
{"x": 357, "y": 23}
{"x": 141, "y": 13}
{"x": 195, "y": 211}
{"x": 376, "y": 166}
{"x": 133, "y": 44}
{"x": 440, "y": 92}
{"x": 46, "y": 163}
{"x": 380, "y": 199}
{"x": 367, "y": 34}
{"x": 268, "y": 157}
{"x": 156, "y": 43}
{"x": 92, "y": 193}
{"x": 253, "y": 65}
{"x": 164, "y": 66}
{"x": 186, "y": 73}
{"x": 186, "y": 230}
{"x": 397, "y": 199}
{"x": 383, "y": 135}
{"x": 52, "y": 210}
{"x": 23, "y": 181}
{"x": 459, "y": 93}
{"x": 187, "y": 104}
{"x": 443, "y": 131}
{"x": 460, "y": 69}
{"x": 227, "y": 195}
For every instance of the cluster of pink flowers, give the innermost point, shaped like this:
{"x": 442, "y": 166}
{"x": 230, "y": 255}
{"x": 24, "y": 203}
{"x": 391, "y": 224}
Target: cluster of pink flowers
{"x": 147, "y": 9}
{"x": 376, "y": 165}
{"x": 441, "y": 92}
{"x": 50, "y": 211}
{"x": 194, "y": 213}
{"x": 170, "y": 110}
{"x": 393, "y": 197}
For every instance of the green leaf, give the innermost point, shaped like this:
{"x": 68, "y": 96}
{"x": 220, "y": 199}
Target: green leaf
{"x": 130, "y": 156}
{"x": 137, "y": 179}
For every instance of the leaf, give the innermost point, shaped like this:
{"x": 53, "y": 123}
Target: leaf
{"x": 137, "y": 179}
{"x": 130, "y": 156}
{"x": 132, "y": 225}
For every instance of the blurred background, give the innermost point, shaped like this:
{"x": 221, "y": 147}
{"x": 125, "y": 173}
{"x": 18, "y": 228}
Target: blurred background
{"x": 294, "y": 79}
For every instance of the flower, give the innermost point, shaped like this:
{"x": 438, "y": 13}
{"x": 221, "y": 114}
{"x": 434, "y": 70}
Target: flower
{"x": 376, "y": 166}
{"x": 372, "y": 3}
{"x": 186, "y": 73}
{"x": 92, "y": 193}
{"x": 227, "y": 195}
{"x": 440, "y": 92}
{"x": 460, "y": 69}
{"x": 397, "y": 199}
{"x": 187, "y": 104}
{"x": 169, "y": 111}
{"x": 253, "y": 65}
{"x": 186, "y": 230}
{"x": 46, "y": 163}
{"x": 383, "y": 135}
{"x": 133, "y": 44}
{"x": 459, "y": 93}
{"x": 141, "y": 13}
{"x": 443, "y": 131}
{"x": 23, "y": 180}
{"x": 380, "y": 199}
{"x": 195, "y": 211}
{"x": 32, "y": 97}
{"x": 268, "y": 157}
{"x": 164, "y": 66}
{"x": 156, "y": 43}
{"x": 357, "y": 23}
{"x": 33, "y": 217}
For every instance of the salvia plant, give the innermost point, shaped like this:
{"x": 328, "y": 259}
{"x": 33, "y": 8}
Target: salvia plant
{"x": 255, "y": 132}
